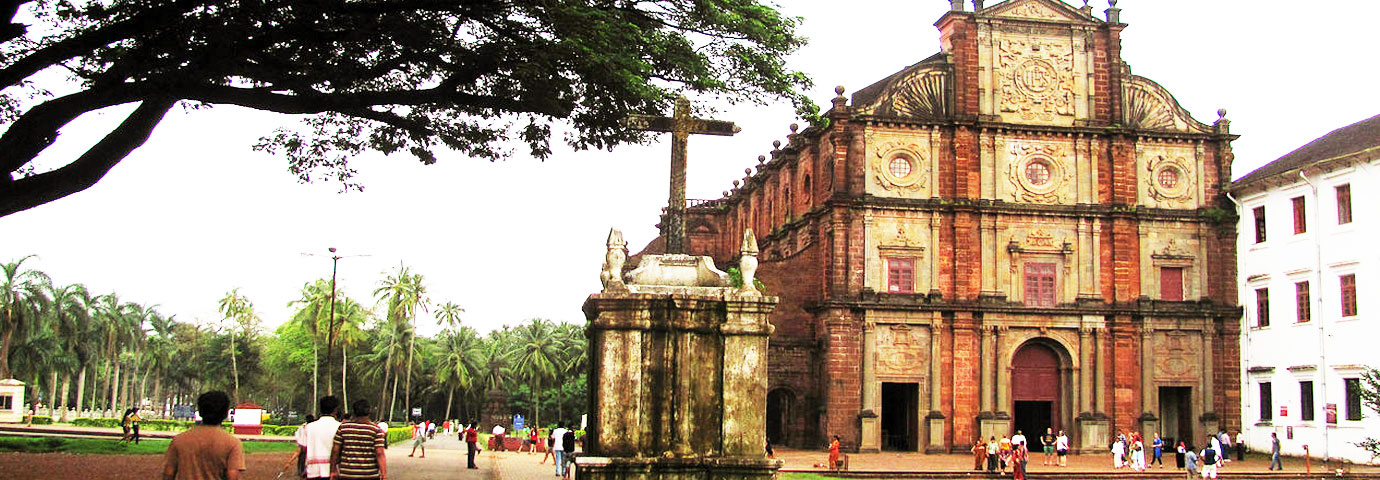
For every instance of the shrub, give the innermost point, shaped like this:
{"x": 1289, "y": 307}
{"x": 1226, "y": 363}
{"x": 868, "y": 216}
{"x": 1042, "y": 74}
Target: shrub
{"x": 398, "y": 434}
{"x": 41, "y": 420}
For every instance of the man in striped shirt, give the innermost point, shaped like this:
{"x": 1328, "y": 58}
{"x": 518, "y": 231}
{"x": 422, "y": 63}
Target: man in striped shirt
{"x": 357, "y": 451}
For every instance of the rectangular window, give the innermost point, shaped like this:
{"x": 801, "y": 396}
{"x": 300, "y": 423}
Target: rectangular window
{"x": 1039, "y": 284}
{"x": 1259, "y": 213}
{"x": 1300, "y": 218}
{"x": 1267, "y": 401}
{"x": 1172, "y": 283}
{"x": 1349, "y": 295}
{"x": 1262, "y": 307}
{"x": 1306, "y": 401}
{"x": 1301, "y": 299}
{"x": 6, "y": 402}
{"x": 1343, "y": 204}
{"x": 1353, "y": 398}
{"x": 900, "y": 275}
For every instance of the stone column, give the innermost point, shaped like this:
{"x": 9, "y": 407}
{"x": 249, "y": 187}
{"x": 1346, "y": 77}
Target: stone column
{"x": 1149, "y": 424}
{"x": 871, "y": 401}
{"x": 1100, "y": 373}
{"x": 935, "y": 418}
{"x": 1209, "y": 417}
{"x": 1085, "y": 389}
{"x": 1001, "y": 377}
{"x": 988, "y": 369}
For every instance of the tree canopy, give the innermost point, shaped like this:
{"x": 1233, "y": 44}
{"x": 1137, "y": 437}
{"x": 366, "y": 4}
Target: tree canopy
{"x": 412, "y": 76}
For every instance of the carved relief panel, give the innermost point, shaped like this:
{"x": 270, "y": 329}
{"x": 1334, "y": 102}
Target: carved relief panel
{"x": 902, "y": 351}
{"x": 899, "y": 165}
{"x": 1173, "y": 250}
{"x": 1053, "y": 246}
{"x": 1169, "y": 175}
{"x": 1035, "y": 80}
{"x": 1177, "y": 356}
{"x": 1036, "y": 171}
{"x": 898, "y": 239}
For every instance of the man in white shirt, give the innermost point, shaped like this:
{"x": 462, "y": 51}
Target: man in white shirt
{"x": 499, "y": 432}
{"x": 314, "y": 439}
{"x": 558, "y": 448}
{"x": 1018, "y": 439}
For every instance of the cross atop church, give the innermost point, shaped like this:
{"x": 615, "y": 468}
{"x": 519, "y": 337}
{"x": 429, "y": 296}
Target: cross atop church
{"x": 681, "y": 125}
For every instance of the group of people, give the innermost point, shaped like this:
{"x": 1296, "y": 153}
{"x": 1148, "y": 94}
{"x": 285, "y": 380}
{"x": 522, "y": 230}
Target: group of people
{"x": 1128, "y": 451}
{"x": 1014, "y": 452}
{"x": 351, "y": 449}
{"x": 130, "y": 423}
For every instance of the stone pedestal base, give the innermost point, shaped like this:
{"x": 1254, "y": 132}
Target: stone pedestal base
{"x": 1093, "y": 435}
{"x": 1210, "y": 426}
{"x": 871, "y": 435}
{"x": 935, "y": 428}
{"x": 998, "y": 425}
{"x": 625, "y": 468}
{"x": 1149, "y": 426}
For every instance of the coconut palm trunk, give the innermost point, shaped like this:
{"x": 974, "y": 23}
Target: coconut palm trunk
{"x": 407, "y": 389}
{"x": 52, "y": 393}
{"x": 114, "y": 388}
{"x": 62, "y": 399}
{"x": 344, "y": 369}
{"x": 235, "y": 369}
{"x": 450, "y": 397}
{"x": 81, "y": 388}
{"x": 393, "y": 403}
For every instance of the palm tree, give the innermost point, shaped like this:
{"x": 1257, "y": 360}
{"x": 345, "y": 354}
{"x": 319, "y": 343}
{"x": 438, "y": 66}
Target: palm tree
{"x": 536, "y": 357}
{"x": 351, "y": 316}
{"x": 68, "y": 317}
{"x": 459, "y": 360}
{"x": 404, "y": 294}
{"x": 240, "y": 317}
{"x": 21, "y": 296}
{"x": 313, "y": 308}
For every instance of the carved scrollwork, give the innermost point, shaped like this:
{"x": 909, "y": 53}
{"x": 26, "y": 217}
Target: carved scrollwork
{"x": 899, "y": 351}
{"x": 1149, "y": 106}
{"x": 1038, "y": 172}
{"x": 1170, "y": 180}
{"x": 899, "y": 166}
{"x": 1036, "y": 79}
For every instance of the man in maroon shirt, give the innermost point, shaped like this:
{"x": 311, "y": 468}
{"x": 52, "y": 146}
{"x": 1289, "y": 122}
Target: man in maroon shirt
{"x": 472, "y": 440}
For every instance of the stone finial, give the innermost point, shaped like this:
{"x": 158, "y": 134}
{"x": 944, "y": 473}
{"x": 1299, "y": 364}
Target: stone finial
{"x": 794, "y": 127}
{"x": 839, "y": 99}
{"x": 735, "y": 184}
{"x": 1087, "y": 9}
{"x": 1222, "y": 125}
{"x": 956, "y": 5}
{"x": 762, "y": 158}
{"x": 775, "y": 145}
{"x": 617, "y": 253}
{"x": 1113, "y": 13}
{"x": 977, "y": 5}
{"x": 747, "y": 264}
{"x": 726, "y": 192}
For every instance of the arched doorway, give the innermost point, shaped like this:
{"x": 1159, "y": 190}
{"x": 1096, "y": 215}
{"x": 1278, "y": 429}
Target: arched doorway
{"x": 1036, "y": 382}
{"x": 779, "y": 403}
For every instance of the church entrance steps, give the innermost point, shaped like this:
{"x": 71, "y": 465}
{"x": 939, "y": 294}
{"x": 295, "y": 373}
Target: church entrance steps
{"x": 1169, "y": 475}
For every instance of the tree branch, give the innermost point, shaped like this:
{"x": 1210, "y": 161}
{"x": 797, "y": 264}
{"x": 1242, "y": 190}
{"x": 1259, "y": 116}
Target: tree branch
{"x": 25, "y": 193}
{"x": 38, "y": 128}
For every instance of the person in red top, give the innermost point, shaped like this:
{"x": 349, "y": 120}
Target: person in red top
{"x": 471, "y": 441}
{"x": 834, "y": 453}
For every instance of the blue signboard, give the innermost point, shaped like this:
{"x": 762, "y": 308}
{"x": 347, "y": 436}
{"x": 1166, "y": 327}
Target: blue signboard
{"x": 517, "y": 422}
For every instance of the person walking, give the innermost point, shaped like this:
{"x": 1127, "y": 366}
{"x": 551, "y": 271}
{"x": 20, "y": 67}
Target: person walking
{"x": 568, "y": 440}
{"x": 205, "y": 451}
{"x": 548, "y": 453}
{"x": 1157, "y": 447}
{"x": 499, "y": 434}
{"x": 979, "y": 454}
{"x": 1047, "y": 446}
{"x": 1225, "y": 440}
{"x": 1118, "y": 451}
{"x": 315, "y": 439}
{"x": 1210, "y": 458}
{"x": 834, "y": 453}
{"x": 1190, "y": 463}
{"x": 1004, "y": 449}
{"x": 418, "y": 438}
{"x": 992, "y": 452}
{"x": 1274, "y": 452}
{"x": 1179, "y": 456}
{"x": 558, "y": 447}
{"x": 471, "y": 443}
{"x": 1019, "y": 455}
{"x": 1240, "y": 446}
{"x": 1061, "y": 447}
{"x": 357, "y": 450}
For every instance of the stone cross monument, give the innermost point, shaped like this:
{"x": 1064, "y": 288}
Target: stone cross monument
{"x": 678, "y": 370}
{"x": 681, "y": 125}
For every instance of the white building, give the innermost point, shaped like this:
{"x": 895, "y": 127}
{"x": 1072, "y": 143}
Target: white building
{"x": 1307, "y": 221}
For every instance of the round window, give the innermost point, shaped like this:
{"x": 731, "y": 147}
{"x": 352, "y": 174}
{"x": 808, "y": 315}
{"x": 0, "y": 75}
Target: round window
{"x": 1037, "y": 173}
{"x": 900, "y": 167}
{"x": 1169, "y": 178}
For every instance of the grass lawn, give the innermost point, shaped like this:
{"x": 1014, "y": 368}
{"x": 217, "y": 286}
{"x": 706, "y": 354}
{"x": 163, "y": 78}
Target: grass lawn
{"x": 101, "y": 445}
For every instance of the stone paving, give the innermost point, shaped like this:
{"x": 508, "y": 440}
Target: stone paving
{"x": 806, "y": 460}
{"x": 445, "y": 459}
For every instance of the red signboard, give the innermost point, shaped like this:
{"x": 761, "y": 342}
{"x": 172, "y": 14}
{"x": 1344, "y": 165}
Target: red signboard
{"x": 1331, "y": 410}
{"x": 1283, "y": 410}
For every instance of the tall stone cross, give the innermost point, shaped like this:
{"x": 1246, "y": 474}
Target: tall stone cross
{"x": 681, "y": 125}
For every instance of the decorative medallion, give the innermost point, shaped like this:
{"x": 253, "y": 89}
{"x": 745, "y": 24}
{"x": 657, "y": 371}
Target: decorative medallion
{"x": 898, "y": 167}
{"x": 1176, "y": 356}
{"x": 1038, "y": 173}
{"x": 1036, "y": 79}
{"x": 899, "y": 350}
{"x": 1169, "y": 180}
{"x": 1033, "y": 10}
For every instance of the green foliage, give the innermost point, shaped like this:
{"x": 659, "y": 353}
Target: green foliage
{"x": 1370, "y": 397}
{"x": 398, "y": 434}
{"x": 41, "y": 420}
{"x": 393, "y": 77}
{"x": 735, "y": 279}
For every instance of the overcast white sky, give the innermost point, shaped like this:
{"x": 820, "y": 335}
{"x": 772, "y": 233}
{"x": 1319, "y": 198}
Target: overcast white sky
{"x": 195, "y": 213}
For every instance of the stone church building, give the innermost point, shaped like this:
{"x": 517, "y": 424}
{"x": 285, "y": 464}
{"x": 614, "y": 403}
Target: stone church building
{"x": 1014, "y": 233}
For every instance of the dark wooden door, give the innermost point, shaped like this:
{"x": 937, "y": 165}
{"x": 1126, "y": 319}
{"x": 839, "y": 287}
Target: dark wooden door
{"x": 1035, "y": 377}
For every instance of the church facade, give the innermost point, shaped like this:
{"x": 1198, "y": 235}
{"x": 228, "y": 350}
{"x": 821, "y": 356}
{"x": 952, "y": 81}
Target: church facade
{"x": 1015, "y": 233}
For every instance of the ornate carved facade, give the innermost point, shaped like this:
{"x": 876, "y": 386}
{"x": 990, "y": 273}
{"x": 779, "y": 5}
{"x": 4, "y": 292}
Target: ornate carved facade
{"x": 1013, "y": 233}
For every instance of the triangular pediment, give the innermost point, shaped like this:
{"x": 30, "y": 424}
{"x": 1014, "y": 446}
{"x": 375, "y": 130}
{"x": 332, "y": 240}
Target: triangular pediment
{"x": 1042, "y": 10}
